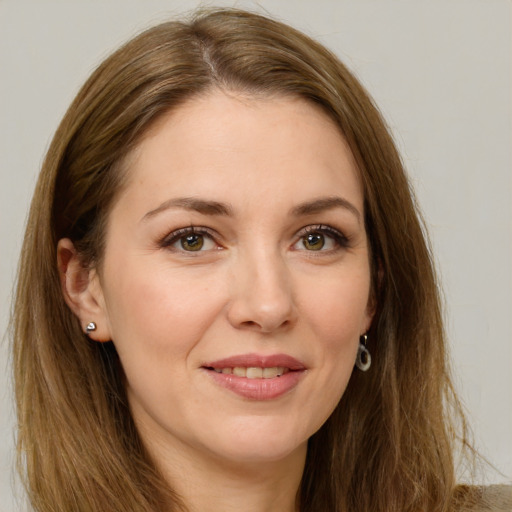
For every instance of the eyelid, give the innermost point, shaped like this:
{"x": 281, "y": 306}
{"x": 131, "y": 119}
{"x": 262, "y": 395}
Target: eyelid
{"x": 339, "y": 237}
{"x": 171, "y": 238}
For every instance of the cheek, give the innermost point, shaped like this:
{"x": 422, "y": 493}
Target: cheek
{"x": 157, "y": 318}
{"x": 158, "y": 309}
{"x": 336, "y": 314}
{"x": 338, "y": 307}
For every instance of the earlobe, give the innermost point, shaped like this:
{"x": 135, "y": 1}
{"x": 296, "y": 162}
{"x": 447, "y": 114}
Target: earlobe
{"x": 371, "y": 307}
{"x": 370, "y": 313}
{"x": 82, "y": 291}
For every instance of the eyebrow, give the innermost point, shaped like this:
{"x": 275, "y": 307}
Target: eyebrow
{"x": 193, "y": 204}
{"x": 207, "y": 207}
{"x": 325, "y": 203}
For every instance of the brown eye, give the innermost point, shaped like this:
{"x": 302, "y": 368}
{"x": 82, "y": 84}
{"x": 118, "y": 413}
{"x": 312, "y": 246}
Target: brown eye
{"x": 313, "y": 241}
{"x": 189, "y": 240}
{"x": 192, "y": 242}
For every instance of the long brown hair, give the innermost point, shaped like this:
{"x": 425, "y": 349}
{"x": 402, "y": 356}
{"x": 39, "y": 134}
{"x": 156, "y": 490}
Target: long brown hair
{"x": 387, "y": 446}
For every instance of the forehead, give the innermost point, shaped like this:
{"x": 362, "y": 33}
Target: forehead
{"x": 221, "y": 140}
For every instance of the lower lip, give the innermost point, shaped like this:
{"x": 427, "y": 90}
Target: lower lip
{"x": 258, "y": 389}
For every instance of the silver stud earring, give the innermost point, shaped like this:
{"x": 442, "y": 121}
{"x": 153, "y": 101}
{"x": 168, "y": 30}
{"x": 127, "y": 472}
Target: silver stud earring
{"x": 91, "y": 326}
{"x": 363, "y": 359}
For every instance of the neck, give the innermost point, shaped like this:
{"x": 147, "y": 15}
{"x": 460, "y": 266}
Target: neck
{"x": 209, "y": 483}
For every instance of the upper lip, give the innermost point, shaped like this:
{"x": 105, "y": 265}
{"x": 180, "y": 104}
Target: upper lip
{"x": 257, "y": 361}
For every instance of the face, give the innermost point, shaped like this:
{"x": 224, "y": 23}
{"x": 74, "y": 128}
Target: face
{"x": 235, "y": 281}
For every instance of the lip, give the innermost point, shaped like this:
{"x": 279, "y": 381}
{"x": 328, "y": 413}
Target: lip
{"x": 257, "y": 389}
{"x": 257, "y": 360}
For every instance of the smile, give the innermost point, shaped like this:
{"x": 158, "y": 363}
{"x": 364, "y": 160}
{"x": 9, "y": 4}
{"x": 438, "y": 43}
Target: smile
{"x": 257, "y": 377}
{"x": 253, "y": 372}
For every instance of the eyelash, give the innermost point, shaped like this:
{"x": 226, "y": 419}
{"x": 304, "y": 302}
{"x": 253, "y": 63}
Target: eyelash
{"x": 175, "y": 236}
{"x": 339, "y": 238}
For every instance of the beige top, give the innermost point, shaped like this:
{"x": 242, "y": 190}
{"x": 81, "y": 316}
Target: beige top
{"x": 493, "y": 498}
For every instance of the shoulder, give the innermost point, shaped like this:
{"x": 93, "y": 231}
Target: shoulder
{"x": 498, "y": 498}
{"x": 492, "y": 498}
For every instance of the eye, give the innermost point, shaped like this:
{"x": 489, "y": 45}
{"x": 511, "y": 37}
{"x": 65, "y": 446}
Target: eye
{"x": 314, "y": 241}
{"x": 190, "y": 240}
{"x": 320, "y": 238}
{"x": 193, "y": 242}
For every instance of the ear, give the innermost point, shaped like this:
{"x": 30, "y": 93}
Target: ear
{"x": 369, "y": 314}
{"x": 371, "y": 307}
{"x": 82, "y": 290}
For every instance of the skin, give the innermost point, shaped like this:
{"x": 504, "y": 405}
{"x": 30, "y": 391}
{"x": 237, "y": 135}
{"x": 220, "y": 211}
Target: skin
{"x": 256, "y": 286}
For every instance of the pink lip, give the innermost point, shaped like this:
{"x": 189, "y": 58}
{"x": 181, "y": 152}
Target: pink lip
{"x": 258, "y": 361}
{"x": 257, "y": 389}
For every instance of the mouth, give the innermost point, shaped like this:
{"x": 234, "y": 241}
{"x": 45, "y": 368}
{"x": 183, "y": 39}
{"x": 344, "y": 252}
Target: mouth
{"x": 257, "y": 377}
{"x": 256, "y": 366}
{"x": 253, "y": 372}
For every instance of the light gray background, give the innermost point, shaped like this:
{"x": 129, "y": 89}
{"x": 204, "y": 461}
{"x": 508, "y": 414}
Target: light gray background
{"x": 441, "y": 73}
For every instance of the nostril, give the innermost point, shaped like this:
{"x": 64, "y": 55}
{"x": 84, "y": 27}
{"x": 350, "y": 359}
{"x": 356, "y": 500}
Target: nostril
{"x": 265, "y": 326}
{"x": 250, "y": 323}
{"x": 258, "y": 309}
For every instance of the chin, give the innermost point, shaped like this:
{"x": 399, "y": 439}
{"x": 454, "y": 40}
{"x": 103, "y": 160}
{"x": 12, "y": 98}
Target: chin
{"x": 258, "y": 443}
{"x": 259, "y": 452}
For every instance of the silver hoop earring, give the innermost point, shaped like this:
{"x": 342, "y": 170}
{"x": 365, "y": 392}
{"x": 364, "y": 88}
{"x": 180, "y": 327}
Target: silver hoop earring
{"x": 363, "y": 359}
{"x": 91, "y": 326}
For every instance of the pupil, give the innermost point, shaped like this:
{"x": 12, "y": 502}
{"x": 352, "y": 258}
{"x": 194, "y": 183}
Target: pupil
{"x": 192, "y": 242}
{"x": 314, "y": 241}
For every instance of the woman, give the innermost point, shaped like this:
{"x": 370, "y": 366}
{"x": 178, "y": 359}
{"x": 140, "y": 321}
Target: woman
{"x": 222, "y": 228}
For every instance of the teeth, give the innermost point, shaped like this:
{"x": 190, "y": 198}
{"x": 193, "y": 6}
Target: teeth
{"x": 254, "y": 372}
{"x": 270, "y": 373}
{"x": 240, "y": 372}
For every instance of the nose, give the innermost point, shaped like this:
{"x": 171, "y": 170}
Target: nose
{"x": 262, "y": 296}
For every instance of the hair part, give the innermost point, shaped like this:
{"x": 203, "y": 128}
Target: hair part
{"x": 388, "y": 444}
